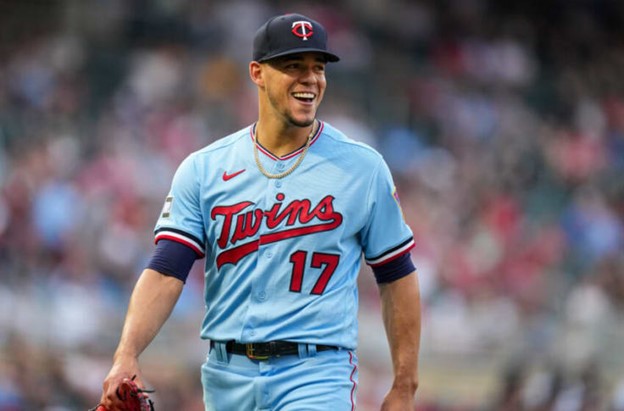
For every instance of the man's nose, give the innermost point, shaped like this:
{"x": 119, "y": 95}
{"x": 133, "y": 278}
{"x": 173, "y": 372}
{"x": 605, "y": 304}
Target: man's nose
{"x": 308, "y": 76}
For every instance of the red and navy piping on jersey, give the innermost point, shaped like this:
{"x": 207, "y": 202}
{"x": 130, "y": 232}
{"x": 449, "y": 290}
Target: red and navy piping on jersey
{"x": 391, "y": 254}
{"x": 252, "y": 133}
{"x": 182, "y": 237}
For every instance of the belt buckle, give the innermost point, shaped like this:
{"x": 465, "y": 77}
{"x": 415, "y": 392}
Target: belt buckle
{"x": 250, "y": 351}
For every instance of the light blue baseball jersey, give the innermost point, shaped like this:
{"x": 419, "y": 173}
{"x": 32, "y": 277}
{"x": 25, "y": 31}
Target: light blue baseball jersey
{"x": 282, "y": 255}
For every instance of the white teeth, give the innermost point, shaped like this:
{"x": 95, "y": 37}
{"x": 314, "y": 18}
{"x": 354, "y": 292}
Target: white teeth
{"x": 303, "y": 95}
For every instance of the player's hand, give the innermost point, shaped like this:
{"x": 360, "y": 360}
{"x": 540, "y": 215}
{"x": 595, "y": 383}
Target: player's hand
{"x": 397, "y": 400}
{"x": 121, "y": 370}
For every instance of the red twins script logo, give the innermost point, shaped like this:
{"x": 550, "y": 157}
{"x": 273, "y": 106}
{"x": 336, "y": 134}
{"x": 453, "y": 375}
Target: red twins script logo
{"x": 302, "y": 29}
{"x": 241, "y": 222}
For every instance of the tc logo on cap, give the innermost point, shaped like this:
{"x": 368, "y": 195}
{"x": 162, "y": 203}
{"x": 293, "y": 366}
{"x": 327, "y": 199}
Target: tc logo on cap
{"x": 302, "y": 29}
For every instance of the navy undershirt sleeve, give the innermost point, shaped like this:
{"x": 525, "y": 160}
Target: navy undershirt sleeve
{"x": 173, "y": 259}
{"x": 395, "y": 269}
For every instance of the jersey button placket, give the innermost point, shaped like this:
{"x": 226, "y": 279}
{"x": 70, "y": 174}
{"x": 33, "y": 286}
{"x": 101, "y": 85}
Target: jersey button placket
{"x": 279, "y": 167}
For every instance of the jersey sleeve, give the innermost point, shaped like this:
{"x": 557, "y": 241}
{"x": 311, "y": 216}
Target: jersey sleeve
{"x": 386, "y": 236}
{"x": 181, "y": 218}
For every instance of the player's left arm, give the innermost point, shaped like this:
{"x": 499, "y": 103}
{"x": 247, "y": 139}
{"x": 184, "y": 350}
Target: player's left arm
{"x": 387, "y": 241}
{"x": 400, "y": 304}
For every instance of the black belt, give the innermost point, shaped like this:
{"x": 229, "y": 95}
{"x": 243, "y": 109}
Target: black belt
{"x": 264, "y": 351}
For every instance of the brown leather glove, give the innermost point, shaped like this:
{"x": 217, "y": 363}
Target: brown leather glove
{"x": 133, "y": 398}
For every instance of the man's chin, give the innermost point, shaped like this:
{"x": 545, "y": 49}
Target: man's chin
{"x": 302, "y": 122}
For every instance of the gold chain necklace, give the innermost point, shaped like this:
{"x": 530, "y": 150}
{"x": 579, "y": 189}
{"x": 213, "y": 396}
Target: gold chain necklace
{"x": 293, "y": 167}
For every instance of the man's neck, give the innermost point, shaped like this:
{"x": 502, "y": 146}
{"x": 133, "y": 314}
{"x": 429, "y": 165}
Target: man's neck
{"x": 280, "y": 139}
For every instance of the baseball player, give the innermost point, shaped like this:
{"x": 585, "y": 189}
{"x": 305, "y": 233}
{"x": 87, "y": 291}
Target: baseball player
{"x": 282, "y": 211}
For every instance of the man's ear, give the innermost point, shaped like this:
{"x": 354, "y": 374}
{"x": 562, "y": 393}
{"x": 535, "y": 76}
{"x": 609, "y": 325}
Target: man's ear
{"x": 256, "y": 74}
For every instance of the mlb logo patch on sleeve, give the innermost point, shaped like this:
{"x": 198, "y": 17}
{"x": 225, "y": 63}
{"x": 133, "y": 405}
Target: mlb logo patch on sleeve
{"x": 166, "y": 210}
{"x": 395, "y": 195}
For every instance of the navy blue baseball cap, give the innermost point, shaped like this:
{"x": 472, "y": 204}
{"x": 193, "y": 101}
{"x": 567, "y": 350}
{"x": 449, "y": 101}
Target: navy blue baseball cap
{"x": 290, "y": 34}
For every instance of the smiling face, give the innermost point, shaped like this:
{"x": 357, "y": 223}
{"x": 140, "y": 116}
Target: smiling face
{"x": 291, "y": 87}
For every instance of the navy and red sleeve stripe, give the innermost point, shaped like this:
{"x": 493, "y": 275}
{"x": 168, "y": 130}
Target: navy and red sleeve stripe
{"x": 173, "y": 258}
{"x": 394, "y": 263}
{"x": 179, "y": 236}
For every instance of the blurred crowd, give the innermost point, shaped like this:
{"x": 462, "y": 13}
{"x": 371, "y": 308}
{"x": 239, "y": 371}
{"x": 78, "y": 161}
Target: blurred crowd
{"x": 503, "y": 123}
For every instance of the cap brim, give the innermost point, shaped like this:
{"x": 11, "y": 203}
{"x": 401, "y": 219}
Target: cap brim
{"x": 332, "y": 58}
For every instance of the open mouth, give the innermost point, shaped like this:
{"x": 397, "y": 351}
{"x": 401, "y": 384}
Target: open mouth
{"x": 305, "y": 97}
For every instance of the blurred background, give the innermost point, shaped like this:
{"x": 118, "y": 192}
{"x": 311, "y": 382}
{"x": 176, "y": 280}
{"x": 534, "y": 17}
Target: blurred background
{"x": 503, "y": 123}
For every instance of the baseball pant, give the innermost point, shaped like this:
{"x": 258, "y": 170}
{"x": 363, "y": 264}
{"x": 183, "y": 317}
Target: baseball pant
{"x": 311, "y": 381}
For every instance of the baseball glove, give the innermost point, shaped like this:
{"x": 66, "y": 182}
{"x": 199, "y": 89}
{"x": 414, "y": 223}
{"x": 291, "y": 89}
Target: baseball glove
{"x": 133, "y": 397}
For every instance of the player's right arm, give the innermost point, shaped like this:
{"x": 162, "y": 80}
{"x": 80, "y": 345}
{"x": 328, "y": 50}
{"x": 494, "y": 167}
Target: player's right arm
{"x": 179, "y": 242}
{"x": 151, "y": 303}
